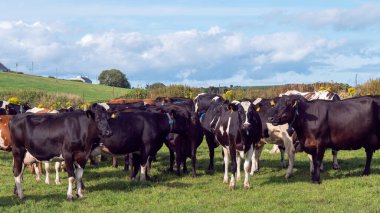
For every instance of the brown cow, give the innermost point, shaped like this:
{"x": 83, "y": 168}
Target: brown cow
{"x": 5, "y": 137}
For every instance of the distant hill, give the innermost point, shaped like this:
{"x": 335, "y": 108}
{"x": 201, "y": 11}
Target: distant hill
{"x": 90, "y": 92}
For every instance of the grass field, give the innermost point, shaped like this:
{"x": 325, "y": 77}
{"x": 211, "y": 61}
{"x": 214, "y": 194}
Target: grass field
{"x": 110, "y": 190}
{"x": 90, "y": 92}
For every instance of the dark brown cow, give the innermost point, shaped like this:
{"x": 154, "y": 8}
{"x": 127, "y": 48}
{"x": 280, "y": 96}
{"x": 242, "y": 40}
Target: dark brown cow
{"x": 340, "y": 125}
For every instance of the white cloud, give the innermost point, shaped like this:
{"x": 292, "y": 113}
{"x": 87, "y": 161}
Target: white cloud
{"x": 191, "y": 56}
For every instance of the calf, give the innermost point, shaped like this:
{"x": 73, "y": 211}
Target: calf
{"x": 323, "y": 124}
{"x": 47, "y": 136}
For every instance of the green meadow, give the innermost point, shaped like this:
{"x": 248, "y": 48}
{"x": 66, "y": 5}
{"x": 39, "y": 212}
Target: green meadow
{"x": 88, "y": 92}
{"x": 110, "y": 189}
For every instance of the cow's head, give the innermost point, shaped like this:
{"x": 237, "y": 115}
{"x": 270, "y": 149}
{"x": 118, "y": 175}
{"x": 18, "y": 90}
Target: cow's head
{"x": 285, "y": 110}
{"x": 100, "y": 116}
{"x": 246, "y": 116}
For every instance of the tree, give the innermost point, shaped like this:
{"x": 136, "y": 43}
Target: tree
{"x": 155, "y": 85}
{"x": 114, "y": 77}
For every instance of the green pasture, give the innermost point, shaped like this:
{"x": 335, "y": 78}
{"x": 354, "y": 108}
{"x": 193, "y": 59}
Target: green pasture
{"x": 110, "y": 189}
{"x": 89, "y": 92}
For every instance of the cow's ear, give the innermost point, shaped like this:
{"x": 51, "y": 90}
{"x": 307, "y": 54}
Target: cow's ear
{"x": 90, "y": 114}
{"x": 233, "y": 107}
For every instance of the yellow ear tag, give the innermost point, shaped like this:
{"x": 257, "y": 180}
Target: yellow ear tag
{"x": 231, "y": 110}
{"x": 272, "y": 103}
{"x": 113, "y": 116}
{"x": 258, "y": 109}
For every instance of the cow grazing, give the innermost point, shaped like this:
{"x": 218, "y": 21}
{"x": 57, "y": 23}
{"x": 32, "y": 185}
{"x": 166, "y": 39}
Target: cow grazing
{"x": 47, "y": 136}
{"x": 208, "y": 108}
{"x": 237, "y": 129}
{"x": 143, "y": 134}
{"x": 323, "y": 124}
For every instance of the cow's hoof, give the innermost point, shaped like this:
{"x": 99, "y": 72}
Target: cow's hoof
{"x": 70, "y": 198}
{"x": 238, "y": 179}
{"x": 366, "y": 173}
{"x": 336, "y": 167}
{"x": 287, "y": 176}
{"x": 247, "y": 186}
{"x": 225, "y": 180}
{"x": 231, "y": 186}
{"x": 316, "y": 181}
{"x": 47, "y": 182}
{"x": 58, "y": 182}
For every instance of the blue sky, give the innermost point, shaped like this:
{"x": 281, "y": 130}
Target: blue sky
{"x": 195, "y": 42}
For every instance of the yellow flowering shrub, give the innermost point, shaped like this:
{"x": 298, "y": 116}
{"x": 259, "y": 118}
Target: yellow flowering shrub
{"x": 14, "y": 100}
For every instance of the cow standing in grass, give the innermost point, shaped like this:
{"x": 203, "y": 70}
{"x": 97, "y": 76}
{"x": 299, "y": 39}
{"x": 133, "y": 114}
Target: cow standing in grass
{"x": 67, "y": 136}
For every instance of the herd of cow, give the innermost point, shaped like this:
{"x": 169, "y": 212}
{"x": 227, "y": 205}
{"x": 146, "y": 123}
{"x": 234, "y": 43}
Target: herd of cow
{"x": 137, "y": 129}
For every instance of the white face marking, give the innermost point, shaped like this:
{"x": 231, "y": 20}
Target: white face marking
{"x": 245, "y": 105}
{"x": 258, "y": 100}
{"x": 196, "y": 106}
{"x": 228, "y": 125}
{"x": 215, "y": 98}
{"x": 105, "y": 105}
{"x": 5, "y": 103}
{"x": 235, "y": 102}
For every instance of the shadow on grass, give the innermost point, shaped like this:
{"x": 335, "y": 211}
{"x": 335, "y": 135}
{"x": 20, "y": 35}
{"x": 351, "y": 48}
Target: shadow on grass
{"x": 352, "y": 167}
{"x": 12, "y": 200}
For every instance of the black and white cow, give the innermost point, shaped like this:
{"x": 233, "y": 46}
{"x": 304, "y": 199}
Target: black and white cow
{"x": 43, "y": 137}
{"x": 237, "y": 129}
{"x": 207, "y": 106}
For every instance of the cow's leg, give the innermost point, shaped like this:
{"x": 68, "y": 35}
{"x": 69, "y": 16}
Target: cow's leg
{"x": 78, "y": 178}
{"x": 247, "y": 161}
{"x": 126, "y": 162}
{"x": 56, "y": 167}
{"x": 317, "y": 161}
{"x": 71, "y": 176}
{"x": 47, "y": 172}
{"x": 226, "y": 162}
{"x": 233, "y": 167}
{"x": 282, "y": 151}
{"x": 238, "y": 161}
{"x": 114, "y": 161}
{"x": 135, "y": 165}
{"x": 18, "y": 170}
{"x": 290, "y": 150}
{"x": 37, "y": 172}
{"x": 184, "y": 165}
{"x": 40, "y": 167}
{"x": 103, "y": 157}
{"x": 367, "y": 168}
{"x": 335, "y": 160}
{"x": 275, "y": 149}
{"x": 210, "y": 143}
{"x": 144, "y": 167}
{"x": 255, "y": 159}
{"x": 178, "y": 157}
{"x": 194, "y": 161}
{"x": 171, "y": 160}
{"x": 311, "y": 164}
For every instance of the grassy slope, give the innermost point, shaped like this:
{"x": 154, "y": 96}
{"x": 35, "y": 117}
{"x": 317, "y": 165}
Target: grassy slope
{"x": 91, "y": 92}
{"x": 110, "y": 190}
